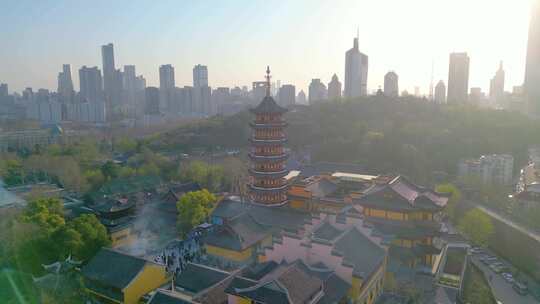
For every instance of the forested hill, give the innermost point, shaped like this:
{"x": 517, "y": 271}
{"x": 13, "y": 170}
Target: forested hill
{"x": 409, "y": 136}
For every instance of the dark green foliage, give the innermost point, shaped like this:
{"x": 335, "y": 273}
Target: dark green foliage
{"x": 193, "y": 209}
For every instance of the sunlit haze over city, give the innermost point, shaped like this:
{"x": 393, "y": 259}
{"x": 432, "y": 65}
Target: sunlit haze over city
{"x": 270, "y": 152}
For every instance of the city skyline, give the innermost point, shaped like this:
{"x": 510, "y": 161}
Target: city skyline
{"x": 238, "y": 62}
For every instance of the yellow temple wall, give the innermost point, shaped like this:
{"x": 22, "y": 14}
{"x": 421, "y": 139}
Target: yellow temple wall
{"x": 151, "y": 277}
{"x": 237, "y": 256}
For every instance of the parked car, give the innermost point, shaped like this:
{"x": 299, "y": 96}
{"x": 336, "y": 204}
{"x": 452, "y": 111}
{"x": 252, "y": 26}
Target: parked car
{"x": 520, "y": 288}
{"x": 508, "y": 277}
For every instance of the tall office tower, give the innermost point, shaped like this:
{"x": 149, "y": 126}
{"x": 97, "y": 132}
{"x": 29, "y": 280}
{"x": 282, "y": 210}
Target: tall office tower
{"x": 356, "y": 72}
{"x": 91, "y": 87}
{"x": 65, "y": 84}
{"x": 301, "y": 98}
{"x": 458, "y": 78}
{"x": 496, "y": 86}
{"x": 287, "y": 95}
{"x": 317, "y": 91}
{"x": 4, "y": 90}
{"x": 440, "y": 92}
{"x": 151, "y": 101}
{"x": 532, "y": 68}
{"x": 391, "y": 84}
{"x": 112, "y": 78}
{"x": 334, "y": 88}
{"x": 200, "y": 76}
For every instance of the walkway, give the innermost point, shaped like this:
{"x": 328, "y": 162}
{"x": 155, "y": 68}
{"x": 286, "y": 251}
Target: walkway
{"x": 502, "y": 290}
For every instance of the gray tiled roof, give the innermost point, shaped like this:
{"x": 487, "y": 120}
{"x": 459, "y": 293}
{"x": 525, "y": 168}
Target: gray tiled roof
{"x": 268, "y": 105}
{"x": 357, "y": 249}
{"x": 163, "y": 298}
{"x": 196, "y": 278}
{"x": 113, "y": 268}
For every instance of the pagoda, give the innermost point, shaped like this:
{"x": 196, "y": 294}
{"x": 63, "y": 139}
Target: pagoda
{"x": 267, "y": 184}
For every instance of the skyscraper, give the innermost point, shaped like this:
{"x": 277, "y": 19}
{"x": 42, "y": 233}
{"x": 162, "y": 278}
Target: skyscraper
{"x": 458, "y": 78}
{"x": 166, "y": 77}
{"x": 107, "y": 57}
{"x": 532, "y": 68}
{"x": 391, "y": 84}
{"x": 287, "y": 95}
{"x": 200, "y": 76}
{"x": 317, "y": 91}
{"x": 334, "y": 88}
{"x": 65, "y": 83}
{"x": 112, "y": 79}
{"x": 440, "y": 92}
{"x": 91, "y": 88}
{"x": 356, "y": 72}
{"x": 496, "y": 86}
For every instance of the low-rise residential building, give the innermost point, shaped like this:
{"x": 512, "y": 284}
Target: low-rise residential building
{"x": 30, "y": 139}
{"x": 488, "y": 169}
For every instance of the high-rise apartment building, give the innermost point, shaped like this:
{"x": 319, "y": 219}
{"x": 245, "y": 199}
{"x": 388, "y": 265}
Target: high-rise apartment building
{"x": 334, "y": 88}
{"x": 356, "y": 72}
{"x": 317, "y": 91}
{"x": 496, "y": 86}
{"x": 391, "y": 84}
{"x": 166, "y": 77}
{"x": 301, "y": 98}
{"x": 458, "y": 78}
{"x": 287, "y": 95}
{"x": 440, "y": 92}
{"x": 152, "y": 101}
{"x": 4, "y": 90}
{"x": 65, "y": 83}
{"x": 200, "y": 76}
{"x": 91, "y": 87}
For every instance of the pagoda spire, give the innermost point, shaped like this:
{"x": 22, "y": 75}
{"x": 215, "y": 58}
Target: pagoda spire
{"x": 267, "y": 81}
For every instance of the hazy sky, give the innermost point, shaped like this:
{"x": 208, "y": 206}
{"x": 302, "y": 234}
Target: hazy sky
{"x": 300, "y": 39}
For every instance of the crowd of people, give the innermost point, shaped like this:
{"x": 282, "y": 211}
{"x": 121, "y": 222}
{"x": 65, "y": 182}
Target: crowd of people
{"x": 176, "y": 255}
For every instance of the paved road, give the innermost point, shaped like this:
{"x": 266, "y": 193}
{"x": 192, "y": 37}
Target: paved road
{"x": 502, "y": 290}
{"x": 509, "y": 222}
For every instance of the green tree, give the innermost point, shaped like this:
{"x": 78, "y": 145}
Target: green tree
{"x": 193, "y": 208}
{"x": 110, "y": 170}
{"x": 125, "y": 144}
{"x": 453, "y": 201}
{"x": 47, "y": 213}
{"x": 478, "y": 226}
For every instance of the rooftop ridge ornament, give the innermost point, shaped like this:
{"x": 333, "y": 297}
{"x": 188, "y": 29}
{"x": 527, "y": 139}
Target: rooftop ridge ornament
{"x": 267, "y": 80}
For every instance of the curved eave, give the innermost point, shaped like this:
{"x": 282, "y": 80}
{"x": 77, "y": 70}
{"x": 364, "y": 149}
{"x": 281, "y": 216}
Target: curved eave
{"x": 267, "y": 142}
{"x": 268, "y": 125}
{"x": 275, "y": 175}
{"x": 268, "y": 190}
{"x": 278, "y": 204}
{"x": 265, "y": 158}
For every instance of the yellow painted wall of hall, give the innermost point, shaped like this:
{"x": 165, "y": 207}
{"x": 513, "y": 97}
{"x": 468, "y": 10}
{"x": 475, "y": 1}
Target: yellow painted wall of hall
{"x": 151, "y": 277}
{"x": 237, "y": 256}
